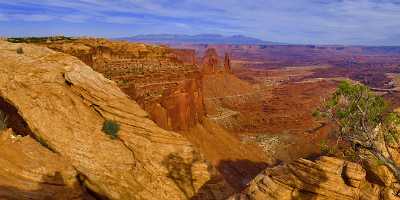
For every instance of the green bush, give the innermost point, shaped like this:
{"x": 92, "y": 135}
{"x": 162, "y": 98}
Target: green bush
{"x": 111, "y": 128}
{"x": 20, "y": 50}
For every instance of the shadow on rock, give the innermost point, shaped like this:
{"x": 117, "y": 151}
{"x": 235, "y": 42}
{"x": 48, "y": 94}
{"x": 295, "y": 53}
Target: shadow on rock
{"x": 51, "y": 187}
{"x": 240, "y": 172}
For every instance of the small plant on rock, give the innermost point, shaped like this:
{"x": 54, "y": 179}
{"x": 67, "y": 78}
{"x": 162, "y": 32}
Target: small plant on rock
{"x": 326, "y": 149}
{"x": 111, "y": 128}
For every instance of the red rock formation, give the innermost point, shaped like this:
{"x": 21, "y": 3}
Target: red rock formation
{"x": 64, "y": 104}
{"x": 227, "y": 64}
{"x": 165, "y": 82}
{"x": 210, "y": 61}
{"x": 187, "y": 56}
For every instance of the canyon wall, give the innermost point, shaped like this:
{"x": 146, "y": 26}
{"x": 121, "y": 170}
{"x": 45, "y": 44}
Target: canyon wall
{"x": 165, "y": 82}
{"x": 58, "y": 149}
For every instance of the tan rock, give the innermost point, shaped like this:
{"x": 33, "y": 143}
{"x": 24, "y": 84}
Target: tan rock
{"x": 326, "y": 178}
{"x": 390, "y": 194}
{"x": 383, "y": 174}
{"x": 369, "y": 191}
{"x": 64, "y": 103}
{"x": 30, "y": 171}
{"x": 354, "y": 174}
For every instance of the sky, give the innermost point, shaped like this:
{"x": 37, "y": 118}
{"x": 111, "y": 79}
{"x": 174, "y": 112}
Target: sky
{"x": 348, "y": 22}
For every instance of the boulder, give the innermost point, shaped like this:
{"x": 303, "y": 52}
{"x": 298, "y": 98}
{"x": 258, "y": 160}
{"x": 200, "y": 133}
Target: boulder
{"x": 326, "y": 178}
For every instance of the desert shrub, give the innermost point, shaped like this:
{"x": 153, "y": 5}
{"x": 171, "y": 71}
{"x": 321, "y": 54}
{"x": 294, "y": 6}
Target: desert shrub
{"x": 365, "y": 122}
{"x": 111, "y": 128}
{"x": 20, "y": 50}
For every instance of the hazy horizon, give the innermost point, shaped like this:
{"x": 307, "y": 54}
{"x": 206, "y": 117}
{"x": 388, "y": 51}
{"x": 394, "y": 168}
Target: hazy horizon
{"x": 353, "y": 22}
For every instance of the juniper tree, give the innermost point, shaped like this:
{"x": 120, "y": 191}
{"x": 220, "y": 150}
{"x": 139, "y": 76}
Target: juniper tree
{"x": 365, "y": 122}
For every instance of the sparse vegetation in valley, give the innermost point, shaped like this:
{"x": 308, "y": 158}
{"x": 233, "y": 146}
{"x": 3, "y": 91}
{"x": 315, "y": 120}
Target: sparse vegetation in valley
{"x": 111, "y": 128}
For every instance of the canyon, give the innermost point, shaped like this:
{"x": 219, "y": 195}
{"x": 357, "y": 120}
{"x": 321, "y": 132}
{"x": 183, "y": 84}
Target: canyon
{"x": 58, "y": 105}
{"x": 169, "y": 85}
{"x": 196, "y": 121}
{"x": 165, "y": 82}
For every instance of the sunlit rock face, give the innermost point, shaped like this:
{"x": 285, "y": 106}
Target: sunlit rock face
{"x": 227, "y": 63}
{"x": 62, "y": 105}
{"x": 164, "y": 81}
{"x": 210, "y": 61}
{"x": 325, "y": 178}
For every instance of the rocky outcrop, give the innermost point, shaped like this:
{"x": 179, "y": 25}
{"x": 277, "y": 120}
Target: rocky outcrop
{"x": 64, "y": 104}
{"x": 165, "y": 82}
{"x": 210, "y": 61}
{"x": 187, "y": 56}
{"x": 29, "y": 171}
{"x": 326, "y": 178}
{"x": 227, "y": 64}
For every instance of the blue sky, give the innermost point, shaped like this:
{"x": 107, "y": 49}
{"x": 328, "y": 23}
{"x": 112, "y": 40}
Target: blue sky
{"x": 366, "y": 22}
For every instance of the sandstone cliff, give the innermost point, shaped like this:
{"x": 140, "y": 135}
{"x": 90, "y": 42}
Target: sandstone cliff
{"x": 170, "y": 88}
{"x": 227, "y": 64}
{"x": 164, "y": 81}
{"x": 211, "y": 63}
{"x": 62, "y": 103}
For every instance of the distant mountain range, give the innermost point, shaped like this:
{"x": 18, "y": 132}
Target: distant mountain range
{"x": 197, "y": 39}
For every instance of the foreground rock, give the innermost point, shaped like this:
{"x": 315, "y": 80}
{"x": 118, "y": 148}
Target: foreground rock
{"x": 64, "y": 104}
{"x": 326, "y": 178}
{"x": 29, "y": 171}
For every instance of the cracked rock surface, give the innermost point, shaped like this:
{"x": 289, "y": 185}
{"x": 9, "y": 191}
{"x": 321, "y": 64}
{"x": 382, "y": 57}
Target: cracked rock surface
{"x": 64, "y": 103}
{"x": 325, "y": 178}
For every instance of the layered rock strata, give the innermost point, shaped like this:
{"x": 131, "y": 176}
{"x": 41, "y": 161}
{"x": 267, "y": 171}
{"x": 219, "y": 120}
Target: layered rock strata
{"x": 326, "y": 178}
{"x": 29, "y": 171}
{"x": 211, "y": 63}
{"x": 165, "y": 82}
{"x": 64, "y": 104}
